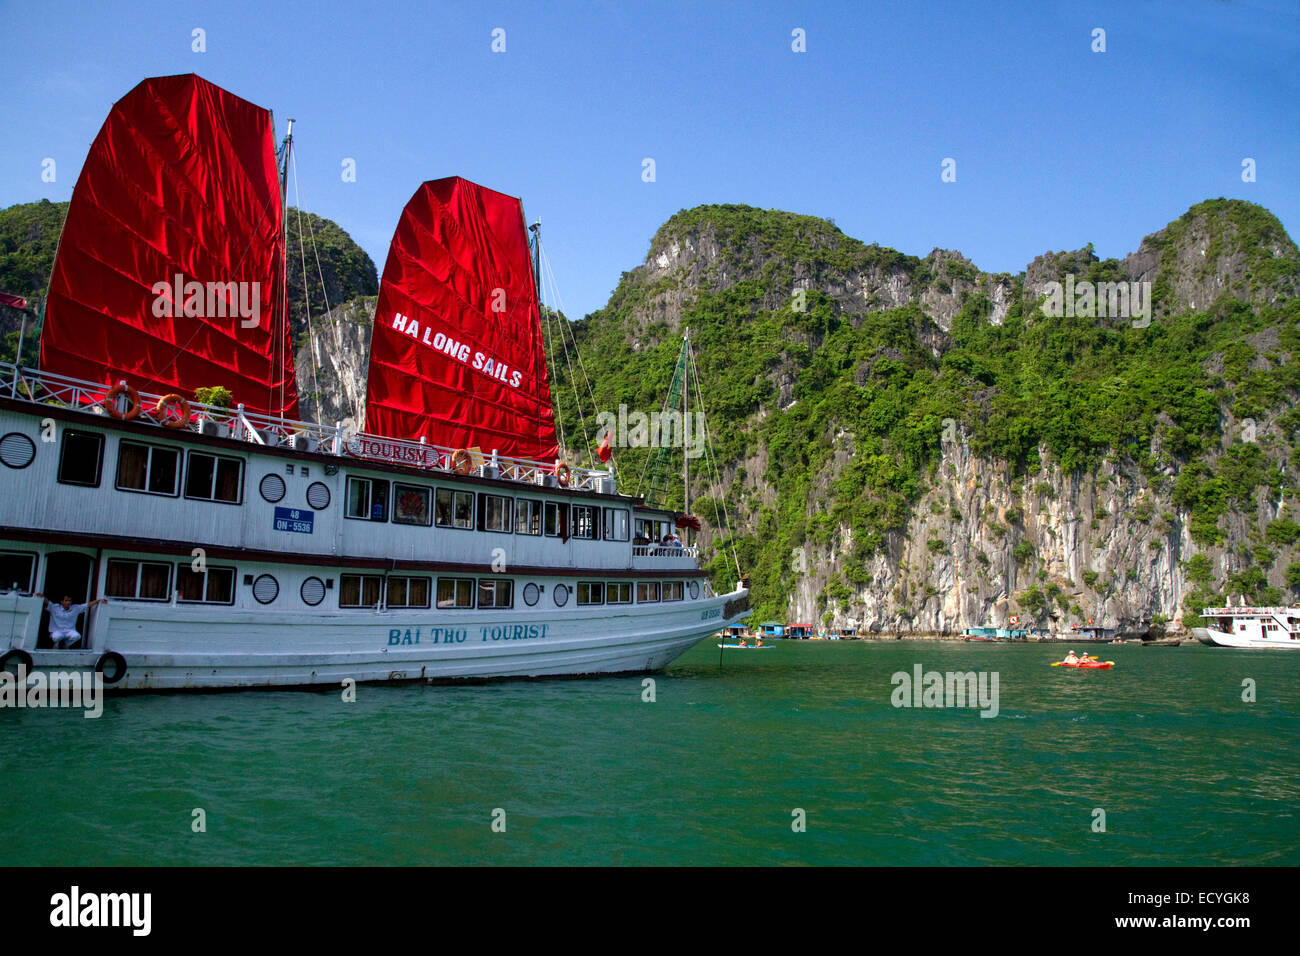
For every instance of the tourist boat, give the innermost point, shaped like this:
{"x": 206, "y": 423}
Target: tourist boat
{"x": 241, "y": 546}
{"x": 1084, "y": 634}
{"x": 1250, "y": 627}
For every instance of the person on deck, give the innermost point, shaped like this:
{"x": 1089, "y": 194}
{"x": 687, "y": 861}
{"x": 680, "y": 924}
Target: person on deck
{"x": 63, "y": 619}
{"x": 675, "y": 542}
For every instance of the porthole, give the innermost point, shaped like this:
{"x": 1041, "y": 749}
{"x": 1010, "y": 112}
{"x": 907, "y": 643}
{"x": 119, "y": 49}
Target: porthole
{"x": 17, "y": 450}
{"x": 318, "y": 496}
{"x": 266, "y": 589}
{"x": 560, "y": 595}
{"x": 272, "y": 488}
{"x": 694, "y": 588}
{"x": 531, "y": 593}
{"x": 312, "y": 591}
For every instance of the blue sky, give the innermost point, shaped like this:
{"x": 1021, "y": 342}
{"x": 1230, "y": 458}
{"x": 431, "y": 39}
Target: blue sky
{"x": 1055, "y": 145}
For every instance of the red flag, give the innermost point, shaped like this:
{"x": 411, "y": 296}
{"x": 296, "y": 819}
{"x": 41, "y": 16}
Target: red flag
{"x": 604, "y": 451}
{"x": 14, "y": 301}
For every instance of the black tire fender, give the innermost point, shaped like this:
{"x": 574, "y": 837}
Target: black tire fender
{"x": 112, "y": 665}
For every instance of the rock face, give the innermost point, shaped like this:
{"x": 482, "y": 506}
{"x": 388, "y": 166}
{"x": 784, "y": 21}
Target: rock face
{"x": 332, "y": 366}
{"x": 982, "y": 538}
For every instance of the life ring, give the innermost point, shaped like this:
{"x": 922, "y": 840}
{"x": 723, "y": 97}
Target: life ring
{"x": 23, "y": 659}
{"x": 168, "y": 402}
{"x": 110, "y": 402}
{"x": 112, "y": 665}
{"x": 461, "y": 462}
{"x": 562, "y": 473}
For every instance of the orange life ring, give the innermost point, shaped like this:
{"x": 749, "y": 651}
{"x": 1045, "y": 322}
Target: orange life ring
{"x": 461, "y": 462}
{"x": 562, "y": 473}
{"x": 171, "y": 401}
{"x": 110, "y": 402}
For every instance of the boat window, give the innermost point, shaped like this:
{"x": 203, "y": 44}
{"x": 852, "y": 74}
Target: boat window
{"x": 455, "y": 509}
{"x": 528, "y": 516}
{"x": 367, "y": 499}
{"x": 496, "y": 513}
{"x": 455, "y": 592}
{"x": 618, "y": 592}
{"x": 17, "y": 571}
{"x": 214, "y": 478}
{"x": 149, "y": 469}
{"x": 673, "y": 590}
{"x": 360, "y": 590}
{"x": 494, "y": 592}
{"x": 408, "y": 592}
{"x": 411, "y": 505}
{"x": 584, "y": 522}
{"x": 591, "y": 592}
{"x": 138, "y": 580}
{"x": 210, "y": 586}
{"x": 616, "y": 524}
{"x": 552, "y": 528}
{"x": 80, "y": 458}
{"x": 647, "y": 592}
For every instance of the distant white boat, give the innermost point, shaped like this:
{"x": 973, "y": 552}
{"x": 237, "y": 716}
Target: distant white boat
{"x": 1250, "y": 627}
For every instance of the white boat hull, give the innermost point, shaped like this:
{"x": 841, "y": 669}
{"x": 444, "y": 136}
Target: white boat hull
{"x": 1217, "y": 638}
{"x": 235, "y": 649}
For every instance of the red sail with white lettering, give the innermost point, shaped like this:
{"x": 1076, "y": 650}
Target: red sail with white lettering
{"x": 170, "y": 268}
{"x": 457, "y": 357}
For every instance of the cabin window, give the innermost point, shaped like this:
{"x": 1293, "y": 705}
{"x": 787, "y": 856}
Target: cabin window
{"x": 80, "y": 458}
{"x": 528, "y": 516}
{"x": 618, "y": 592}
{"x": 210, "y": 586}
{"x": 616, "y": 524}
{"x": 552, "y": 527}
{"x": 591, "y": 592}
{"x": 647, "y": 592}
{"x": 411, "y": 505}
{"x": 496, "y": 513}
{"x": 138, "y": 580}
{"x": 455, "y": 592}
{"x": 367, "y": 499}
{"x": 408, "y": 592}
{"x": 149, "y": 469}
{"x": 17, "y": 571}
{"x": 455, "y": 509}
{"x": 584, "y": 521}
{"x": 672, "y": 590}
{"x": 214, "y": 478}
{"x": 360, "y": 590}
{"x": 493, "y": 592}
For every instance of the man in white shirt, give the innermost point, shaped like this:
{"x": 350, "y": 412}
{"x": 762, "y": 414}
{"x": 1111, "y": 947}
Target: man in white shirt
{"x": 63, "y": 619}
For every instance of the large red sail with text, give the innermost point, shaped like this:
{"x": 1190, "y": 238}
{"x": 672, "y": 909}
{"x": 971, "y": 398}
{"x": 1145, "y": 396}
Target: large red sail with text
{"x": 457, "y": 357}
{"x": 170, "y": 268}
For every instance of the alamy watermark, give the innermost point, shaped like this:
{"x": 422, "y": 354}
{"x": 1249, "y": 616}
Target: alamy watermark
{"x": 210, "y": 300}
{"x": 668, "y": 429}
{"x": 1088, "y": 300}
{"x": 924, "y": 688}
{"x": 53, "y": 689}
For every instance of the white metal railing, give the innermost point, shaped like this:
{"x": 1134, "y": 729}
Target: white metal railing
{"x": 664, "y": 551}
{"x": 47, "y": 388}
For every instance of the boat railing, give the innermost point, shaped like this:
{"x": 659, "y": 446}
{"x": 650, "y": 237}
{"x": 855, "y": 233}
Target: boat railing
{"x": 91, "y": 398}
{"x": 664, "y": 551}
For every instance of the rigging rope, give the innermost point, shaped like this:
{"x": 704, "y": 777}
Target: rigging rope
{"x": 553, "y": 286}
{"x": 306, "y": 294}
{"x": 711, "y": 457}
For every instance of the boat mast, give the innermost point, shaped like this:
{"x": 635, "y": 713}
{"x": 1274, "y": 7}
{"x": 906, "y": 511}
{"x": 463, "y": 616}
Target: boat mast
{"x": 686, "y": 417}
{"x": 284, "y": 243}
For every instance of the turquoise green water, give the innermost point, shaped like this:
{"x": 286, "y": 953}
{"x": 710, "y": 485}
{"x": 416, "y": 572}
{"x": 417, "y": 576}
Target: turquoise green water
{"x": 709, "y": 773}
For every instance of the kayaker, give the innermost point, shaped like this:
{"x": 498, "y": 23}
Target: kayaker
{"x": 1070, "y": 658}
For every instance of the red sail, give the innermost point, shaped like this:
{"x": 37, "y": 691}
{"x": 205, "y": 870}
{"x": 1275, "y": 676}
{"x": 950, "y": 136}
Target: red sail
{"x": 170, "y": 269}
{"x": 457, "y": 357}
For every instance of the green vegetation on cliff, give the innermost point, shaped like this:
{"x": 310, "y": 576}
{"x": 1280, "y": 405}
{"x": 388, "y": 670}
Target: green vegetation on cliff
{"x": 1199, "y": 398}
